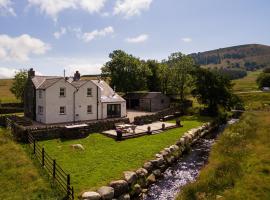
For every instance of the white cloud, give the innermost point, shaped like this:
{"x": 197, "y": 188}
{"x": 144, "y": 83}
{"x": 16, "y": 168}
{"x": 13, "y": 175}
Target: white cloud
{"x": 138, "y": 39}
{"x": 187, "y": 39}
{"x": 58, "y": 34}
{"x": 54, "y": 7}
{"x": 89, "y": 36}
{"x": 7, "y": 72}
{"x": 130, "y": 8}
{"x": 19, "y": 48}
{"x": 5, "y": 8}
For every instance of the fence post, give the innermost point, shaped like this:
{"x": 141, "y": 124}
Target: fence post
{"x": 34, "y": 146}
{"x": 68, "y": 185}
{"x": 54, "y": 167}
{"x": 43, "y": 156}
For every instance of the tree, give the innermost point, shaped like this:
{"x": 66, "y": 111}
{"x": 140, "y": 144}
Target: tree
{"x": 126, "y": 72}
{"x": 154, "y": 79}
{"x": 213, "y": 90}
{"x": 263, "y": 80}
{"x": 18, "y": 84}
{"x": 181, "y": 66}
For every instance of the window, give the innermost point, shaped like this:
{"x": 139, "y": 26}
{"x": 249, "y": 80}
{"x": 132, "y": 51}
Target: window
{"x": 40, "y": 94}
{"x": 62, "y": 92}
{"x": 40, "y": 110}
{"x": 89, "y": 92}
{"x": 62, "y": 110}
{"x": 162, "y": 101}
{"x": 89, "y": 109}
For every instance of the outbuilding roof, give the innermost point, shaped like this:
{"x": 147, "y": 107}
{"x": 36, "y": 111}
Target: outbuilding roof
{"x": 143, "y": 95}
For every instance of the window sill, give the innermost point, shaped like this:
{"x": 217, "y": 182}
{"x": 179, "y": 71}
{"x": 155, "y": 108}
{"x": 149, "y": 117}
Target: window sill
{"x": 62, "y": 113}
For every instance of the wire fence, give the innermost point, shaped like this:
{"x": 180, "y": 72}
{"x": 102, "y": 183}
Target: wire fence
{"x": 55, "y": 172}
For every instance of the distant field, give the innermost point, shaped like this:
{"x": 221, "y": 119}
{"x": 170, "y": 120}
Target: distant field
{"x": 5, "y": 95}
{"x": 247, "y": 83}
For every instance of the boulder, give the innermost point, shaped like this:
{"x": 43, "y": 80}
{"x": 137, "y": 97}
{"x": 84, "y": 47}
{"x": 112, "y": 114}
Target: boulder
{"x": 91, "y": 196}
{"x": 159, "y": 156}
{"x": 137, "y": 190}
{"x": 151, "y": 179}
{"x": 157, "y": 173}
{"x": 148, "y": 166}
{"x": 164, "y": 153}
{"x": 141, "y": 173}
{"x": 124, "y": 197}
{"x": 106, "y": 192}
{"x": 130, "y": 177}
{"x": 77, "y": 146}
{"x": 120, "y": 187}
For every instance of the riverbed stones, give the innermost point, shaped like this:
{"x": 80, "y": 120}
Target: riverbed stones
{"x": 141, "y": 173}
{"x": 148, "y": 166}
{"x": 137, "y": 189}
{"x": 164, "y": 153}
{"x": 151, "y": 179}
{"x": 157, "y": 173}
{"x": 124, "y": 197}
{"x": 106, "y": 192}
{"x": 130, "y": 177}
{"x": 120, "y": 187}
{"x": 91, "y": 196}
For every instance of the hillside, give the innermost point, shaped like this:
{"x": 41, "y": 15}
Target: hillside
{"x": 5, "y": 95}
{"x": 249, "y": 57}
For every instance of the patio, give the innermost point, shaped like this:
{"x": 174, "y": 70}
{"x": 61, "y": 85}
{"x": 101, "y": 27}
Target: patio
{"x": 140, "y": 130}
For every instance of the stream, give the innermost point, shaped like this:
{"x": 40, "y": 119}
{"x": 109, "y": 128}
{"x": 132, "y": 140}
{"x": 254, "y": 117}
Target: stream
{"x": 186, "y": 169}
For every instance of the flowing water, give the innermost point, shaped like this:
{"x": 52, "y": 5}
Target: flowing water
{"x": 185, "y": 170}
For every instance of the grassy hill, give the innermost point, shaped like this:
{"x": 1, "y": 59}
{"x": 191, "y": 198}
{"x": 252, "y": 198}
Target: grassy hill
{"x": 5, "y": 95}
{"x": 249, "y": 57}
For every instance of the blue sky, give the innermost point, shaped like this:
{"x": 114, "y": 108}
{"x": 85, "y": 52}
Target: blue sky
{"x": 53, "y": 35}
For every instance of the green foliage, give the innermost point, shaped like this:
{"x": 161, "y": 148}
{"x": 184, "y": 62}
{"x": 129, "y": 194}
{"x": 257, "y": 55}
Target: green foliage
{"x": 126, "y": 72}
{"x": 104, "y": 159}
{"x": 232, "y": 73}
{"x": 213, "y": 90}
{"x": 263, "y": 80}
{"x": 18, "y": 84}
{"x": 238, "y": 165}
{"x": 154, "y": 79}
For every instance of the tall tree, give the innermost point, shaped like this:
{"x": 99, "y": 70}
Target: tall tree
{"x": 181, "y": 66}
{"x": 18, "y": 84}
{"x": 154, "y": 79}
{"x": 126, "y": 72}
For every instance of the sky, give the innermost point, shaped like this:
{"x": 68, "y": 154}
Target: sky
{"x": 56, "y": 35}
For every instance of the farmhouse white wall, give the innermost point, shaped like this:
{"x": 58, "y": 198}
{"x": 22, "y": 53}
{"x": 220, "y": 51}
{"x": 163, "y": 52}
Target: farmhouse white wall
{"x": 82, "y": 101}
{"x": 41, "y": 102}
{"x": 54, "y": 101}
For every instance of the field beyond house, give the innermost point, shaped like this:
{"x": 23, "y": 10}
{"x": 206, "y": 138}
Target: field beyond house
{"x": 5, "y": 95}
{"x": 105, "y": 159}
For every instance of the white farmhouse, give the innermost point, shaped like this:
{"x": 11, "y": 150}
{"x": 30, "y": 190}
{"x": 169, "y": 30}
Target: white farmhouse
{"x": 51, "y": 99}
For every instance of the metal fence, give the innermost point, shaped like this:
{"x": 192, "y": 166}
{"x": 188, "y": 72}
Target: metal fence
{"x": 55, "y": 172}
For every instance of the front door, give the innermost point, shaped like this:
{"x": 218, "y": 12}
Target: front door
{"x": 113, "y": 110}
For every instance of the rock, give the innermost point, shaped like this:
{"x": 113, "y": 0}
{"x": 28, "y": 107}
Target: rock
{"x": 130, "y": 177}
{"x": 167, "y": 149}
{"x": 148, "y": 166}
{"x": 181, "y": 142}
{"x": 77, "y": 146}
{"x": 144, "y": 190}
{"x": 120, "y": 187}
{"x": 159, "y": 156}
{"x": 174, "y": 148}
{"x": 151, "y": 179}
{"x": 164, "y": 153}
{"x": 106, "y": 192}
{"x": 91, "y": 196}
{"x": 141, "y": 173}
{"x": 137, "y": 189}
{"x": 157, "y": 173}
{"x": 170, "y": 159}
{"x": 124, "y": 197}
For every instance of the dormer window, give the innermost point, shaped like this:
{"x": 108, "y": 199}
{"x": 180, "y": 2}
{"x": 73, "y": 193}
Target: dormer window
{"x": 89, "y": 92}
{"x": 62, "y": 92}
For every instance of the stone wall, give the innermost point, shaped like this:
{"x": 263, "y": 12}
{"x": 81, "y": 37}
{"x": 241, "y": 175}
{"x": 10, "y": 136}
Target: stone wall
{"x": 135, "y": 183}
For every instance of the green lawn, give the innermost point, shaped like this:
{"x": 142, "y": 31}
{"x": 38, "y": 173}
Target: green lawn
{"x": 239, "y": 164}
{"x": 247, "y": 83}
{"x": 19, "y": 177}
{"x": 104, "y": 159}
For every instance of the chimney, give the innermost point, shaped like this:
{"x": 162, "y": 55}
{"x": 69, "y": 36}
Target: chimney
{"x": 31, "y": 73}
{"x": 77, "y": 76}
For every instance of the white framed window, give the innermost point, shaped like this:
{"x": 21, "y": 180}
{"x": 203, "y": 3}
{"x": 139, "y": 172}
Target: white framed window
{"x": 62, "y": 92}
{"x": 89, "y": 109}
{"x": 62, "y": 110}
{"x": 40, "y": 94}
{"x": 40, "y": 110}
{"x": 89, "y": 92}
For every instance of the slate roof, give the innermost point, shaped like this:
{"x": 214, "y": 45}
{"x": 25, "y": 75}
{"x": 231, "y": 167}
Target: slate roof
{"x": 43, "y": 82}
{"x": 107, "y": 93}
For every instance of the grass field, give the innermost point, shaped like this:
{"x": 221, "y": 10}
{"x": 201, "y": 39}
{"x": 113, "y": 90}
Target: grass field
{"x": 239, "y": 164}
{"x": 247, "y": 83}
{"x": 104, "y": 159}
{"x": 5, "y": 95}
{"x": 19, "y": 177}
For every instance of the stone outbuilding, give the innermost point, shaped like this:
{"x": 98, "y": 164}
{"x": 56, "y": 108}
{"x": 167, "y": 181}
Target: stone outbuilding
{"x": 147, "y": 101}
